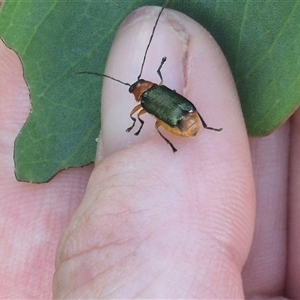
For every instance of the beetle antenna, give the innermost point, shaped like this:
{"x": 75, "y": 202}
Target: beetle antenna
{"x": 103, "y": 75}
{"x": 151, "y": 37}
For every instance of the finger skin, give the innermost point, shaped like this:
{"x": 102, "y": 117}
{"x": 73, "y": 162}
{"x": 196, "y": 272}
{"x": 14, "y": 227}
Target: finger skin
{"x": 154, "y": 224}
{"x": 265, "y": 270}
{"x": 293, "y": 267}
{"x": 32, "y": 217}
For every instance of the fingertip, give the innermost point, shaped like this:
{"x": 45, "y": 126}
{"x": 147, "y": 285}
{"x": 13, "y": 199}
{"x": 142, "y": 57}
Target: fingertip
{"x": 195, "y": 68}
{"x": 125, "y": 62}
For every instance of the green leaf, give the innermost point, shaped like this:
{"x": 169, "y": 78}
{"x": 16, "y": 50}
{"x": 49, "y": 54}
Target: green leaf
{"x": 55, "y": 38}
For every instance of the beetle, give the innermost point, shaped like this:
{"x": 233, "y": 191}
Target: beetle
{"x": 172, "y": 111}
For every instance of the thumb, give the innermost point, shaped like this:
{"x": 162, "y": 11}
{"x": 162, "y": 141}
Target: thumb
{"x": 154, "y": 224}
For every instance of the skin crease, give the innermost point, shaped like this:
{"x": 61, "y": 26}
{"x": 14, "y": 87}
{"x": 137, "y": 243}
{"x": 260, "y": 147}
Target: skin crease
{"x": 153, "y": 224}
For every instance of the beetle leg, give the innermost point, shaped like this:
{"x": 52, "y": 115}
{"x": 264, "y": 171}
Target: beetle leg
{"x": 159, "y": 68}
{"x": 143, "y": 111}
{"x": 206, "y": 127}
{"x": 157, "y": 124}
{"x": 135, "y": 109}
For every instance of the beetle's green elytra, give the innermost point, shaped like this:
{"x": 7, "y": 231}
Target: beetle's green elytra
{"x": 160, "y": 102}
{"x": 172, "y": 111}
